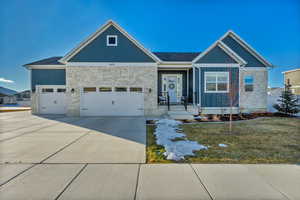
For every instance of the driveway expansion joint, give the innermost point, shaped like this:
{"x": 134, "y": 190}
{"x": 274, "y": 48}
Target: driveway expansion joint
{"x": 137, "y": 181}
{"x": 72, "y": 180}
{"x": 65, "y": 147}
{"x": 201, "y": 182}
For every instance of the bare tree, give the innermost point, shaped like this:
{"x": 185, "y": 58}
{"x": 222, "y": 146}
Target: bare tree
{"x": 232, "y": 95}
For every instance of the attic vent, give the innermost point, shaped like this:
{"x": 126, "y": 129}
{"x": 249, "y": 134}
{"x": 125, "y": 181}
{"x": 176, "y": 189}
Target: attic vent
{"x": 112, "y": 40}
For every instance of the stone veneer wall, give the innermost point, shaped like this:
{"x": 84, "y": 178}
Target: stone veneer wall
{"x": 138, "y": 76}
{"x": 255, "y": 101}
{"x": 34, "y": 103}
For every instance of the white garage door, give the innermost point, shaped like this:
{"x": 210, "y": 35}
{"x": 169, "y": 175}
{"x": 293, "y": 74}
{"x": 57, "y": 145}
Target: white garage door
{"x": 109, "y": 101}
{"x": 52, "y": 99}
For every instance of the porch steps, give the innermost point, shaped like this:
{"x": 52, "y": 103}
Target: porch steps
{"x": 180, "y": 114}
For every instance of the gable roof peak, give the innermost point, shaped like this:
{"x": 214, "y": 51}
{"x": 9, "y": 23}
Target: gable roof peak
{"x": 93, "y": 36}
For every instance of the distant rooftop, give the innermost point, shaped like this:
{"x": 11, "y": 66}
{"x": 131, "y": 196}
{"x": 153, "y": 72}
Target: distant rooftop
{"x": 47, "y": 61}
{"x": 6, "y": 91}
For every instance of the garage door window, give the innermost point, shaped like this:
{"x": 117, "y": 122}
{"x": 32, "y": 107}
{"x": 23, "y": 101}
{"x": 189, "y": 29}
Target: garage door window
{"x": 89, "y": 89}
{"x": 105, "y": 89}
{"x": 136, "y": 89}
{"x": 121, "y": 89}
{"x": 61, "y": 90}
{"x": 47, "y": 90}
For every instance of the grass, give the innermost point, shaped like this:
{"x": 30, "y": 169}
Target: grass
{"x": 264, "y": 140}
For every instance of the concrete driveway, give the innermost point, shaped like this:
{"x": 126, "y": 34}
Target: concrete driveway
{"x": 56, "y": 157}
{"x": 25, "y": 138}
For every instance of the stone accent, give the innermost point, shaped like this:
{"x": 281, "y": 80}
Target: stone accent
{"x": 34, "y": 103}
{"x": 255, "y": 101}
{"x": 129, "y": 76}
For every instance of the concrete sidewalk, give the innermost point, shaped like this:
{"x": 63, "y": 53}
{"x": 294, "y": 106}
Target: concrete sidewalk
{"x": 149, "y": 181}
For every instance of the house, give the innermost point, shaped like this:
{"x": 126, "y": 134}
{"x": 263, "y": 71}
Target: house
{"x": 23, "y": 98}
{"x": 7, "y": 96}
{"x": 293, "y": 78}
{"x": 111, "y": 73}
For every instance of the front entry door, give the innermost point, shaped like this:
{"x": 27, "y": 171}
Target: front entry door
{"x": 172, "y": 84}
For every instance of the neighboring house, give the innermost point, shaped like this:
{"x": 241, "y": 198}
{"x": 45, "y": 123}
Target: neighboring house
{"x": 7, "y": 96}
{"x": 23, "y": 98}
{"x": 111, "y": 73}
{"x": 293, "y": 77}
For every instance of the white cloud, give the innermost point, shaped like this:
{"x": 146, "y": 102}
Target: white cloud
{"x": 6, "y": 80}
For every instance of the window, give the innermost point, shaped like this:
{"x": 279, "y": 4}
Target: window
{"x": 112, "y": 40}
{"x": 248, "y": 83}
{"x": 89, "y": 89}
{"x": 121, "y": 89}
{"x": 105, "y": 89}
{"x": 136, "y": 89}
{"x": 61, "y": 90}
{"x": 45, "y": 90}
{"x": 216, "y": 82}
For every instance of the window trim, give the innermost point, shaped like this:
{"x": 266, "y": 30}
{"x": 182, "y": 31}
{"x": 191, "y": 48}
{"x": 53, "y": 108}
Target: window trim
{"x": 217, "y": 73}
{"x": 111, "y": 36}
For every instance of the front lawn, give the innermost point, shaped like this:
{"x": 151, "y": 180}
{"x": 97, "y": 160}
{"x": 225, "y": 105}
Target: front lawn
{"x": 263, "y": 140}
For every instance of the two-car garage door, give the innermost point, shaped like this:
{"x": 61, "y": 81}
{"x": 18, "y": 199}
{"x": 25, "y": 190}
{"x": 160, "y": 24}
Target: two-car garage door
{"x": 112, "y": 101}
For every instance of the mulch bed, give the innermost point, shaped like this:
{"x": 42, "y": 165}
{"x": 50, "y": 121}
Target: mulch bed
{"x": 226, "y": 117}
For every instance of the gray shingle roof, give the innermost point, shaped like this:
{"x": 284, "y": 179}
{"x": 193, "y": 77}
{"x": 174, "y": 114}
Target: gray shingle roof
{"x": 164, "y": 56}
{"x": 177, "y": 56}
{"x": 47, "y": 61}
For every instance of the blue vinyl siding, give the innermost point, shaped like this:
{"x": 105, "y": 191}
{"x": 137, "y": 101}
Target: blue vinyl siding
{"x": 47, "y": 77}
{"x": 242, "y": 52}
{"x": 216, "y": 55}
{"x": 220, "y": 99}
{"x": 98, "y": 51}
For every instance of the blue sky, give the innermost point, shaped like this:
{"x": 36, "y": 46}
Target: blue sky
{"x": 31, "y": 30}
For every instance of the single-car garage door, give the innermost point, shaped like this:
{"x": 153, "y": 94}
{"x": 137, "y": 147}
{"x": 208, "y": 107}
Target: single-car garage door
{"x": 112, "y": 101}
{"x": 52, "y": 99}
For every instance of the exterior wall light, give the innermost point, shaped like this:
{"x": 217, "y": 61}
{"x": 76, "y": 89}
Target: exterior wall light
{"x": 72, "y": 90}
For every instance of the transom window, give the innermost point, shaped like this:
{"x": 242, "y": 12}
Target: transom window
{"x": 61, "y": 90}
{"x": 112, "y": 40}
{"x": 216, "y": 82}
{"x": 249, "y": 83}
{"x": 120, "y": 89}
{"x": 89, "y": 89}
{"x": 136, "y": 89}
{"x": 105, "y": 89}
{"x": 46, "y": 90}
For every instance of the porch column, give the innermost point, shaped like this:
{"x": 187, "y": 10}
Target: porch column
{"x": 194, "y": 84}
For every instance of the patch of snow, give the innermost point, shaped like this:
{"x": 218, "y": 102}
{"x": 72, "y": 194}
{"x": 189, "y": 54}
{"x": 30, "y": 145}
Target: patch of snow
{"x": 167, "y": 130}
{"x": 223, "y": 145}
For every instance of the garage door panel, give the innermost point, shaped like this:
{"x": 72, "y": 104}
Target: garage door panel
{"x": 52, "y": 102}
{"x": 112, "y": 104}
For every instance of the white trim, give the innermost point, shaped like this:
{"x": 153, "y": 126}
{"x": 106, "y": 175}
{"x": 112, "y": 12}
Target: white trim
{"x": 111, "y": 36}
{"x": 200, "y": 87}
{"x": 213, "y": 108}
{"x": 293, "y": 70}
{"x": 88, "y": 40}
{"x": 45, "y": 66}
{"x": 216, "y": 65}
{"x": 194, "y": 83}
{"x": 247, "y": 47}
{"x": 175, "y": 63}
{"x": 295, "y": 86}
{"x": 225, "y": 48}
{"x": 216, "y": 72}
{"x": 175, "y": 66}
{"x": 253, "y": 69}
{"x": 187, "y": 82}
{"x": 108, "y": 64}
